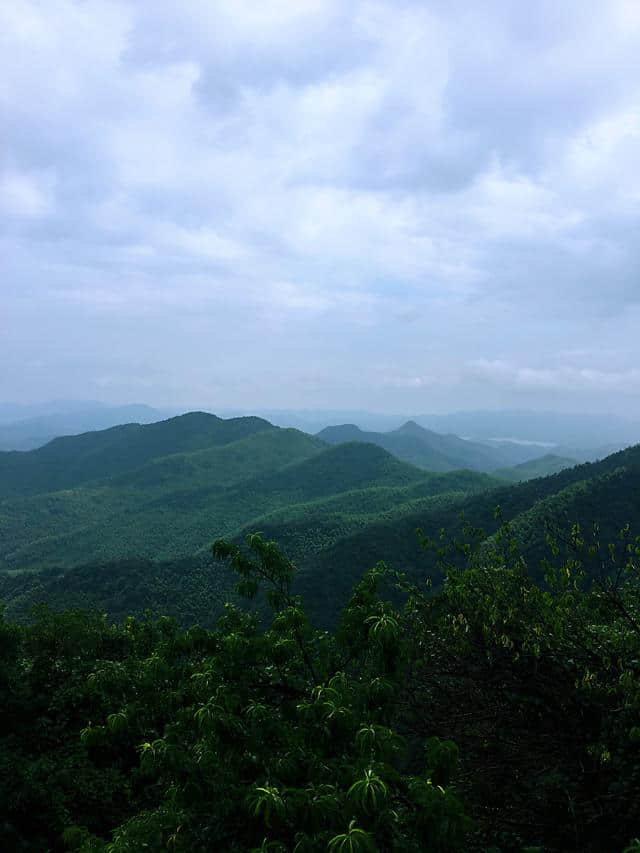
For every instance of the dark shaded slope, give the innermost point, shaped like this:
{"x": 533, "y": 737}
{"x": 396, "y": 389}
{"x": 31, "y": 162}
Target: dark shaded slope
{"x": 146, "y": 515}
{"x": 71, "y": 460}
{"x": 308, "y": 526}
{"x": 607, "y": 492}
{"x": 609, "y": 501}
{"x": 191, "y": 589}
{"x": 171, "y": 506}
{"x": 337, "y": 469}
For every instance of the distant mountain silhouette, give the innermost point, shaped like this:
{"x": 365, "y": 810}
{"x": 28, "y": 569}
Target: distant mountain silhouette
{"x": 29, "y": 427}
{"x": 426, "y": 449}
{"x": 540, "y": 467}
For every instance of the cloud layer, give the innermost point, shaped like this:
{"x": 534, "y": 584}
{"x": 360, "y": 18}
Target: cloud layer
{"x": 384, "y": 204}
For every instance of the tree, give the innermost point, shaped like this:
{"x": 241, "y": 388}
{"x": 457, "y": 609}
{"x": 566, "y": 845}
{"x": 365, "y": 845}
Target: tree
{"x": 284, "y": 739}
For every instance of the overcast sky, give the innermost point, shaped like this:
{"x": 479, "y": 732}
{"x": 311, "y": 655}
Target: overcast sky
{"x": 402, "y": 206}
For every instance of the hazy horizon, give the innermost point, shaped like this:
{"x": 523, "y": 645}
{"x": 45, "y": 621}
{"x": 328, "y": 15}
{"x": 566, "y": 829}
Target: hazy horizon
{"x": 388, "y": 206}
{"x": 68, "y": 404}
{"x": 24, "y": 427}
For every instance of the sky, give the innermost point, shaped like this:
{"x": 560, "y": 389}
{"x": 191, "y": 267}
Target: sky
{"x": 401, "y": 206}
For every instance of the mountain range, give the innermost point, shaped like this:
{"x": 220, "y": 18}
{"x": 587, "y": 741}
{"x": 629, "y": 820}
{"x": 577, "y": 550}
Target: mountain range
{"x": 587, "y": 435}
{"x": 580, "y": 436}
{"x": 123, "y": 518}
{"x": 430, "y": 450}
{"x": 166, "y": 489}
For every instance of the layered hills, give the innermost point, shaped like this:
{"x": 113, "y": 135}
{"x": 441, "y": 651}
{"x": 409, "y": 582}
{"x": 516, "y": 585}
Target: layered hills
{"x": 123, "y": 519}
{"x": 431, "y": 450}
{"x": 602, "y": 497}
{"x": 550, "y": 463}
{"x": 163, "y": 492}
{"x": 167, "y": 489}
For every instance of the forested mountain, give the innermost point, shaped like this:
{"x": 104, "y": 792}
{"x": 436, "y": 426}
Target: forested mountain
{"x": 535, "y": 432}
{"x": 429, "y": 450}
{"x": 173, "y": 506}
{"x": 606, "y": 493}
{"x": 543, "y": 466}
{"x": 69, "y": 461}
{"x": 335, "y": 509}
{"x": 162, "y": 492}
{"x": 496, "y": 712}
{"x": 170, "y": 506}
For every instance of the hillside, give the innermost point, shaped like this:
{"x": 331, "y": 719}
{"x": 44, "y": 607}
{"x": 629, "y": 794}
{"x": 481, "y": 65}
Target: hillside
{"x": 172, "y": 506}
{"x": 191, "y": 589}
{"x": 336, "y": 509}
{"x": 69, "y": 461}
{"x": 606, "y": 493}
{"x": 543, "y": 466}
{"x": 306, "y": 527}
{"x": 426, "y": 449}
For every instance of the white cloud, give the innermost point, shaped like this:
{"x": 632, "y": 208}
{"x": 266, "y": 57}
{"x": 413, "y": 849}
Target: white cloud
{"x": 563, "y": 378}
{"x": 301, "y": 176}
{"x": 25, "y": 195}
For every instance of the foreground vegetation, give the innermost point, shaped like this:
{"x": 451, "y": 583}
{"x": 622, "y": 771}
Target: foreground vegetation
{"x": 495, "y": 715}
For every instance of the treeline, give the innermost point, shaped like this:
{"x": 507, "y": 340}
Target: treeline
{"x": 496, "y": 715}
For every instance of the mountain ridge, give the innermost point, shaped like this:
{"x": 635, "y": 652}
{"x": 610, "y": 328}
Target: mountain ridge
{"x": 70, "y": 460}
{"x": 422, "y": 447}
{"x": 335, "y": 507}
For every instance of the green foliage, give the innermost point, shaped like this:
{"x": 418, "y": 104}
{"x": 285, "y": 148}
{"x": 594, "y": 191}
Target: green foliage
{"x": 508, "y": 694}
{"x": 354, "y": 840}
{"x": 163, "y": 508}
{"x": 538, "y": 686}
{"x": 311, "y": 498}
{"x": 244, "y": 737}
{"x": 70, "y": 461}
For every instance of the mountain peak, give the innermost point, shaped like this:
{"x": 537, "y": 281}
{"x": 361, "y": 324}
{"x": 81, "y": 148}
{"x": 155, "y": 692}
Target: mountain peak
{"x": 340, "y": 433}
{"x": 411, "y": 428}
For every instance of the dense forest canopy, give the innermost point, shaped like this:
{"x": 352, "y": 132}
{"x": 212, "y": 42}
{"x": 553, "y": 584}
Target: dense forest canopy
{"x": 496, "y": 715}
